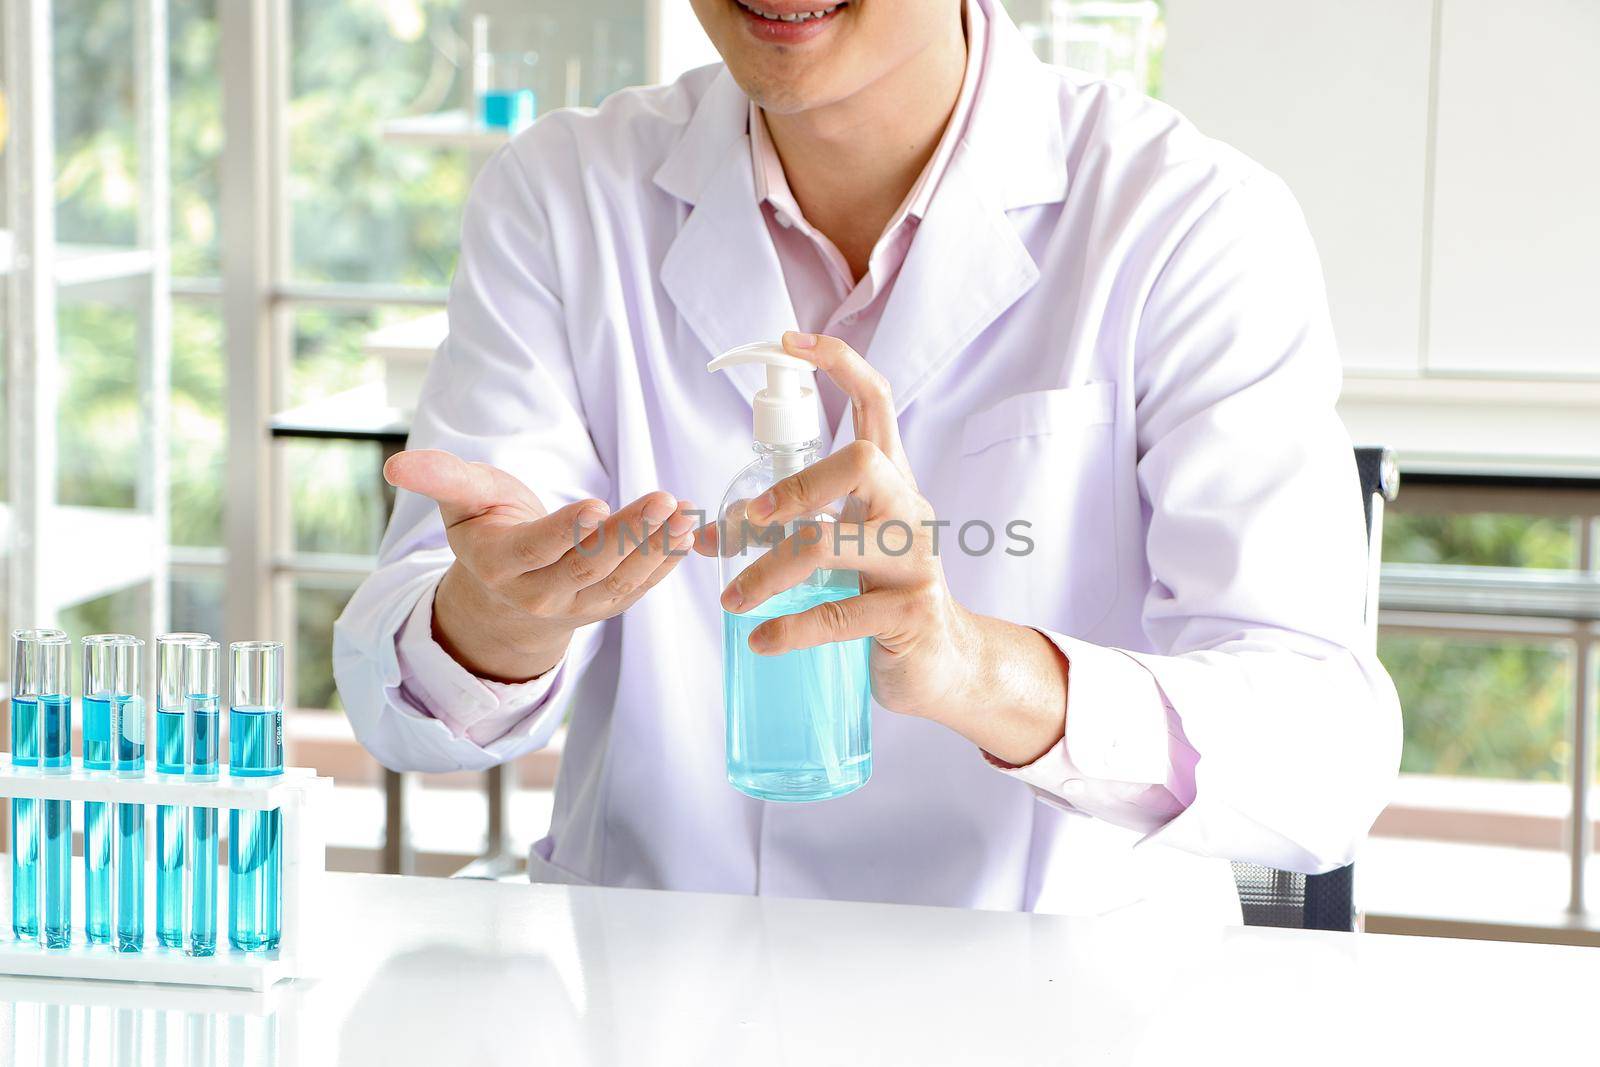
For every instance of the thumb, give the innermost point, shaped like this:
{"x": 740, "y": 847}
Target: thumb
{"x": 462, "y": 490}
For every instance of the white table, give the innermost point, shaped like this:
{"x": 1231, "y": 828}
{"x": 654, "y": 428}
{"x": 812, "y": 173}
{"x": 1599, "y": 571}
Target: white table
{"x": 425, "y": 971}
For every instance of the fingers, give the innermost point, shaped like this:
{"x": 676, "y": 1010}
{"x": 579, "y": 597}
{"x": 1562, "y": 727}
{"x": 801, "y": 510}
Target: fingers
{"x": 462, "y": 490}
{"x": 640, "y": 570}
{"x": 867, "y": 548}
{"x": 537, "y": 544}
{"x": 871, "y": 403}
{"x": 593, "y": 559}
{"x": 734, "y": 533}
{"x": 859, "y": 468}
{"x": 868, "y": 615}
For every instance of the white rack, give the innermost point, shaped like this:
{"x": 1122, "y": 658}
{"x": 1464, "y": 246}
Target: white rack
{"x": 444, "y": 129}
{"x": 296, "y": 793}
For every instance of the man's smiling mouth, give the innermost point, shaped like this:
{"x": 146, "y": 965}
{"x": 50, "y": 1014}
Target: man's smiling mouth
{"x": 798, "y": 16}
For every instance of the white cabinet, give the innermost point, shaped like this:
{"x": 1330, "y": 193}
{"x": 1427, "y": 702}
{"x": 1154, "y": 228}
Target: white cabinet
{"x": 1334, "y": 98}
{"x": 1516, "y": 234}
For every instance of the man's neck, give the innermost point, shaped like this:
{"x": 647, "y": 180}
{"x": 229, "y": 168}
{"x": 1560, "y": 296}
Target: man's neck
{"x": 851, "y": 164}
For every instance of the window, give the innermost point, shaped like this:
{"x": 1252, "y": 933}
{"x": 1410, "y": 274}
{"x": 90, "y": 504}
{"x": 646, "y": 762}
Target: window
{"x": 1486, "y": 586}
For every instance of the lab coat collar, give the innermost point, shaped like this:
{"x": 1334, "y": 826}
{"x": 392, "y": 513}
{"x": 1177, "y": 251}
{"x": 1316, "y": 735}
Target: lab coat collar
{"x": 965, "y": 268}
{"x": 722, "y": 271}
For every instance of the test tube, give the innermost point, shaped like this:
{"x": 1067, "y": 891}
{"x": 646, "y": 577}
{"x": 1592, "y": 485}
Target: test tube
{"x": 107, "y": 672}
{"x": 203, "y": 735}
{"x": 127, "y": 758}
{"x": 172, "y": 757}
{"x": 32, "y": 656}
{"x": 41, "y": 684}
{"x": 255, "y": 749}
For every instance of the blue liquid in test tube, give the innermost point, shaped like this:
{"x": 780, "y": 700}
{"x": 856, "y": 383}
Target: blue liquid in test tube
{"x": 128, "y": 732}
{"x": 102, "y": 675}
{"x": 203, "y": 733}
{"x": 171, "y": 758}
{"x": 41, "y": 698}
{"x": 55, "y": 754}
{"x": 255, "y": 749}
{"x": 29, "y": 667}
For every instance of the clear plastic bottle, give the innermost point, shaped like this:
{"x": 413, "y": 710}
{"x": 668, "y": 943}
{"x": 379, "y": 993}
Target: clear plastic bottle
{"x": 799, "y": 725}
{"x": 255, "y": 838}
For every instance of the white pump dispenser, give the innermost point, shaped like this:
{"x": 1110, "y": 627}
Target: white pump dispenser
{"x": 786, "y": 410}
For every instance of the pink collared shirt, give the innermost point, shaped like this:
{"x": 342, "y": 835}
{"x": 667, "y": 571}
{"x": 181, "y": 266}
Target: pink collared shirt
{"x": 1157, "y": 758}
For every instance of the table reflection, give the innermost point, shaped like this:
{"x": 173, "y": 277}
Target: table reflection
{"x": 69, "y": 1023}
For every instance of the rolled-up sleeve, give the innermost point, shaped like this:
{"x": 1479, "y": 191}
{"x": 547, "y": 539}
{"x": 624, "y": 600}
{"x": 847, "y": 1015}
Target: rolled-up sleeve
{"x": 1262, "y": 727}
{"x": 479, "y": 709}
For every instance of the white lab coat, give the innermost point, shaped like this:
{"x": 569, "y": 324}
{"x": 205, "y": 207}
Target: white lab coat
{"x": 1107, "y": 325}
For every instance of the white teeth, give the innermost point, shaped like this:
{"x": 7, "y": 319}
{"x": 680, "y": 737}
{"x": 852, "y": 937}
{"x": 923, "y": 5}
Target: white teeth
{"x": 801, "y": 16}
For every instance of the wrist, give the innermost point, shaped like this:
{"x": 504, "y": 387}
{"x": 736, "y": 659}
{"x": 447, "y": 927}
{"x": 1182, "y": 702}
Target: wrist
{"x": 1013, "y": 699}
{"x": 964, "y": 693}
{"x": 490, "y": 639}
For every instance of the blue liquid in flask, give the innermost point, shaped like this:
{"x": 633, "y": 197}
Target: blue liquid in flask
{"x": 506, "y": 109}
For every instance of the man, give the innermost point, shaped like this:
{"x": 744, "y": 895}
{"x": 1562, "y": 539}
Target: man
{"x": 1032, "y": 297}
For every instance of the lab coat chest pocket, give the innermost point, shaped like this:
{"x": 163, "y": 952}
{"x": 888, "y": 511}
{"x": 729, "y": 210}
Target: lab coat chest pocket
{"x": 1038, "y": 468}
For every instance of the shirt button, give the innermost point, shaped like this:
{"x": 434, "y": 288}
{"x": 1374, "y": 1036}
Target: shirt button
{"x": 850, "y": 319}
{"x": 1074, "y": 789}
{"x": 784, "y": 220}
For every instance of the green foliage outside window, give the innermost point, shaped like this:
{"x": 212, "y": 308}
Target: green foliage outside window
{"x": 1484, "y": 540}
{"x": 1481, "y": 710}
{"x": 1475, "y": 708}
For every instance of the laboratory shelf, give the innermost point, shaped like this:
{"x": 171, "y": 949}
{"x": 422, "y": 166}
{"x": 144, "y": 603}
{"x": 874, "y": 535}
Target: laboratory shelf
{"x": 443, "y": 129}
{"x": 95, "y": 551}
{"x": 416, "y": 338}
{"x": 85, "y": 264}
{"x": 406, "y": 348}
{"x": 359, "y": 414}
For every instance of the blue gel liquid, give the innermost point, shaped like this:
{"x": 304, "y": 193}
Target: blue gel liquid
{"x": 97, "y": 825}
{"x": 799, "y": 724}
{"x": 169, "y": 833}
{"x": 25, "y": 825}
{"x": 204, "y": 758}
{"x": 128, "y": 758}
{"x": 56, "y": 754}
{"x": 255, "y": 846}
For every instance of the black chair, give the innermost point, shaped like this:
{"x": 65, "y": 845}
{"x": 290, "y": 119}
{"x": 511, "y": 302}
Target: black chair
{"x": 1272, "y": 897}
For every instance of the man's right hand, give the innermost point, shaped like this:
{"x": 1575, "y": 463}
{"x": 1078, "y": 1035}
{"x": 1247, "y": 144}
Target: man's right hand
{"x": 524, "y": 578}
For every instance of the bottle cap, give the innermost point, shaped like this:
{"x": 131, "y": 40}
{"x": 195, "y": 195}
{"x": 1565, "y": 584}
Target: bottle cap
{"x": 786, "y": 410}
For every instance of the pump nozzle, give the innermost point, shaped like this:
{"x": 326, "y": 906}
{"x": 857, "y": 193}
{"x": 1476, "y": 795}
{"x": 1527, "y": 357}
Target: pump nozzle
{"x": 786, "y": 410}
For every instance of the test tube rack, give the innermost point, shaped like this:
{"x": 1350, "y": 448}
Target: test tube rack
{"x": 297, "y": 792}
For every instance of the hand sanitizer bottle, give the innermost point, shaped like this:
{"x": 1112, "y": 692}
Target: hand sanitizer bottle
{"x": 799, "y": 724}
